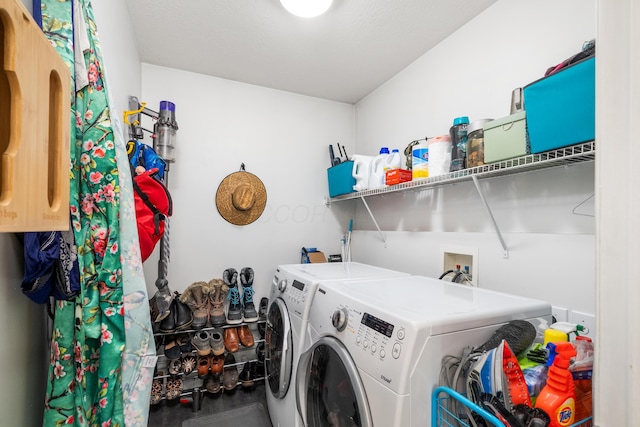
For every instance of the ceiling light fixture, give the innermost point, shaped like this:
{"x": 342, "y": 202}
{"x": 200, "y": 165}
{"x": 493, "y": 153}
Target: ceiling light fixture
{"x": 306, "y": 8}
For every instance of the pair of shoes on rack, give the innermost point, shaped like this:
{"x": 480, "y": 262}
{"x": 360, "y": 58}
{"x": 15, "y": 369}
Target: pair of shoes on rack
{"x": 180, "y": 316}
{"x": 178, "y": 351}
{"x": 174, "y": 387}
{"x": 175, "y": 345}
{"x": 206, "y": 301}
{"x": 210, "y": 369}
{"x": 207, "y": 342}
{"x": 241, "y": 307}
{"x": 211, "y": 364}
{"x": 235, "y": 336}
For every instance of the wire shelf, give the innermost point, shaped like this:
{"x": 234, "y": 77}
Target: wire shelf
{"x": 443, "y": 416}
{"x": 561, "y": 157}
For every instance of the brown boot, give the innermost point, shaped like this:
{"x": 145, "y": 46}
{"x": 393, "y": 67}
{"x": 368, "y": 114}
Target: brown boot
{"x": 231, "y": 340}
{"x": 196, "y": 296}
{"x": 246, "y": 337}
{"x": 217, "y": 294}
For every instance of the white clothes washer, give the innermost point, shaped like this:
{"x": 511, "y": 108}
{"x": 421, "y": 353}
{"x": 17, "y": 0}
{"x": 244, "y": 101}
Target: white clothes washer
{"x": 290, "y": 299}
{"x": 378, "y": 346}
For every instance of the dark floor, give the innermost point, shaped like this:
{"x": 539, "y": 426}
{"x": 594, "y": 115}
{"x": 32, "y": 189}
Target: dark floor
{"x": 172, "y": 414}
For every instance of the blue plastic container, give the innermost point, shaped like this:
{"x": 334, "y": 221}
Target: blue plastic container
{"x": 341, "y": 180}
{"x": 561, "y": 108}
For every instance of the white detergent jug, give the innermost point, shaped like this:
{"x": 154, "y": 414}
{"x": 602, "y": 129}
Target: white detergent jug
{"x": 393, "y": 161}
{"x": 376, "y": 171}
{"x": 360, "y": 171}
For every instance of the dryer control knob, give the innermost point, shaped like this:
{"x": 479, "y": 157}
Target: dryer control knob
{"x": 282, "y": 285}
{"x": 339, "y": 319}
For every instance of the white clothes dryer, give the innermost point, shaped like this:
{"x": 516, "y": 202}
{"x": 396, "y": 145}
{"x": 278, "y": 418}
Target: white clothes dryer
{"x": 378, "y": 346}
{"x": 291, "y": 295}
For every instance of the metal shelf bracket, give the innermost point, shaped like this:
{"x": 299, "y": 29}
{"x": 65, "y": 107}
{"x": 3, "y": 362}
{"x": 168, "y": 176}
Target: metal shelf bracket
{"x": 374, "y": 221}
{"x": 505, "y": 251}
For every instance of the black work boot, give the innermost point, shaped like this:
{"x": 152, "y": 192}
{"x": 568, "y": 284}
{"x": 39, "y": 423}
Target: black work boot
{"x": 234, "y": 312}
{"x": 249, "y": 313}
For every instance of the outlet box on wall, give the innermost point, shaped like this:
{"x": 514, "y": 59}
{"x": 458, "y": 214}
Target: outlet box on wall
{"x": 561, "y": 314}
{"x": 454, "y": 256}
{"x": 587, "y": 320}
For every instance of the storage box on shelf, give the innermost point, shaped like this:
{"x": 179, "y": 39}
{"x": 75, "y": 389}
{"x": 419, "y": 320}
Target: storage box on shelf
{"x": 505, "y": 138}
{"x": 340, "y": 179}
{"x": 561, "y": 107}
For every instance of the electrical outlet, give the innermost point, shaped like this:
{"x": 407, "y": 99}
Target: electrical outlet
{"x": 560, "y": 313}
{"x": 586, "y": 319}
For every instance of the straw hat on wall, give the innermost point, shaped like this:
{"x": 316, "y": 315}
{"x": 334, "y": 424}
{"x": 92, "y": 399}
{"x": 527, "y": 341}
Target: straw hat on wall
{"x": 241, "y": 197}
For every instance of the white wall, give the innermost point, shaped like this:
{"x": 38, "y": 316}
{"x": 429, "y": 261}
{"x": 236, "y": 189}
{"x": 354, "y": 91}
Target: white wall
{"x": 551, "y": 249}
{"x": 121, "y": 60}
{"x": 282, "y": 138}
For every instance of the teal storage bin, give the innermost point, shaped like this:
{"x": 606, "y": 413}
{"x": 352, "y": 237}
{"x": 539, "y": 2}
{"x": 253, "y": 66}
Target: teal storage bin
{"x": 561, "y": 108}
{"x": 505, "y": 138}
{"x": 340, "y": 178}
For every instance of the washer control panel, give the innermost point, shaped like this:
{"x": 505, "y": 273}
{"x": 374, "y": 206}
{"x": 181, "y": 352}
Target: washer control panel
{"x": 379, "y": 342}
{"x": 295, "y": 293}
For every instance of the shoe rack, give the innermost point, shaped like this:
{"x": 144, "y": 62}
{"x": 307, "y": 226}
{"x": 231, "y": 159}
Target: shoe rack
{"x": 193, "y": 386}
{"x": 34, "y": 126}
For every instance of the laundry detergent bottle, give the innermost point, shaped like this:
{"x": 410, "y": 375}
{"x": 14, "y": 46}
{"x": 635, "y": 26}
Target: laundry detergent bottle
{"x": 360, "y": 171}
{"x": 558, "y": 398}
{"x": 376, "y": 171}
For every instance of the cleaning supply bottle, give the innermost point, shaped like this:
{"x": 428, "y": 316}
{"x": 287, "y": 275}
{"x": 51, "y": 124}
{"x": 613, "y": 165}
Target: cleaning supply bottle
{"x": 420, "y": 161}
{"x": 376, "y": 171}
{"x": 558, "y": 398}
{"x": 393, "y": 161}
{"x": 360, "y": 171}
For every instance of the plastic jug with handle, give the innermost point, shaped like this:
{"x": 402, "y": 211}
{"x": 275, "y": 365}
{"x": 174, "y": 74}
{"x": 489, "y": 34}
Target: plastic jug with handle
{"x": 376, "y": 171}
{"x": 393, "y": 161}
{"x": 360, "y": 171}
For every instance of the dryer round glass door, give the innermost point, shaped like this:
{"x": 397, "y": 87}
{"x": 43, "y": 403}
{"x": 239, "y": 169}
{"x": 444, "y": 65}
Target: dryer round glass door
{"x": 329, "y": 389}
{"x": 278, "y": 349}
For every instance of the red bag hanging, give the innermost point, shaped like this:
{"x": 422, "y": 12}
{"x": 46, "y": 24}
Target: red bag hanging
{"x": 153, "y": 206}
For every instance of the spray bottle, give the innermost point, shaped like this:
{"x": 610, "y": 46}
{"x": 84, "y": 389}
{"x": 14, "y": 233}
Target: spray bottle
{"x": 558, "y": 398}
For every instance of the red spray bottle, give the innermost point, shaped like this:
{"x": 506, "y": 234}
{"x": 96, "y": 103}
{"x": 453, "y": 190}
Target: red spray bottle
{"x": 558, "y": 398}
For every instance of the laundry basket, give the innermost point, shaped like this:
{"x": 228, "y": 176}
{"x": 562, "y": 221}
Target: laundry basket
{"x": 442, "y": 416}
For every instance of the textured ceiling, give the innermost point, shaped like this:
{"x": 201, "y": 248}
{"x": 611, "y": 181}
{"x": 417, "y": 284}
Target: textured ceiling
{"x": 342, "y": 55}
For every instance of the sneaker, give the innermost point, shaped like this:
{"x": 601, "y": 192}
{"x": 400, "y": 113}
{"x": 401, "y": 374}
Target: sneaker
{"x": 202, "y": 342}
{"x": 234, "y": 311}
{"x": 249, "y": 313}
{"x": 216, "y": 341}
{"x": 217, "y": 294}
{"x": 230, "y": 376}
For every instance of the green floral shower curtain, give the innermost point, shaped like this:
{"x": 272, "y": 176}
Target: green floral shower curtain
{"x": 85, "y": 382}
